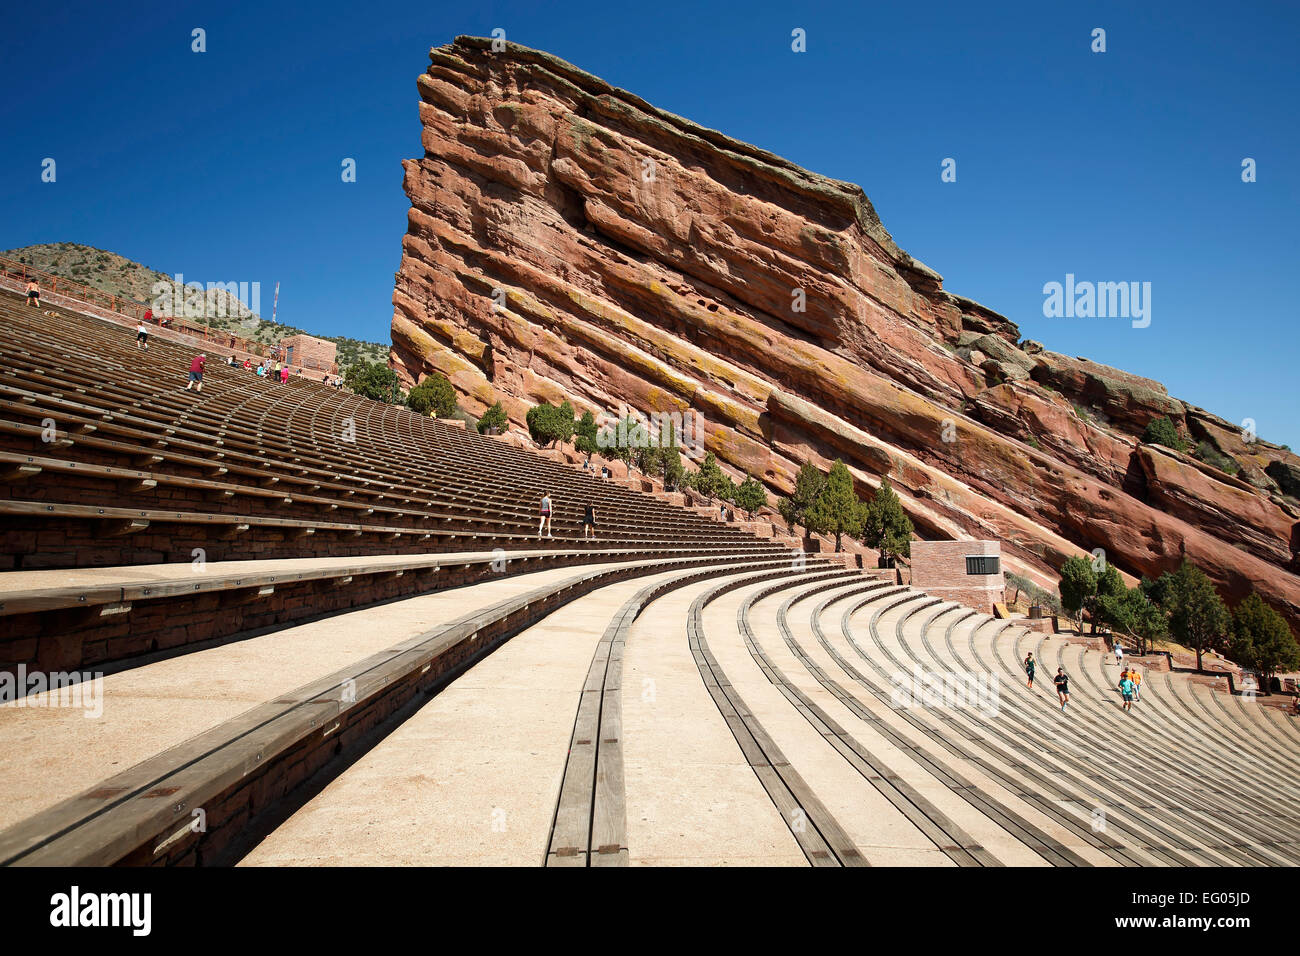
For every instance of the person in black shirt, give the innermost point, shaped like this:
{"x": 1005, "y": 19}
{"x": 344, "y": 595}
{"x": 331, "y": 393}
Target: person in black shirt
{"x": 1062, "y": 686}
{"x": 589, "y": 522}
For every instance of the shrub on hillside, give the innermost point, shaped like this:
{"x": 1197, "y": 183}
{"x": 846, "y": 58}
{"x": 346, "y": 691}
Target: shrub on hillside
{"x": 374, "y": 380}
{"x": 548, "y": 424}
{"x": 1161, "y": 431}
{"x": 494, "y": 421}
{"x": 435, "y": 394}
{"x": 1216, "y": 459}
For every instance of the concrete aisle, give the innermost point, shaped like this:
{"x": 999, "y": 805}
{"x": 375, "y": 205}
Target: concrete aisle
{"x": 885, "y": 848}
{"x": 692, "y": 799}
{"x": 879, "y": 830}
{"x": 472, "y": 778}
{"x": 50, "y": 753}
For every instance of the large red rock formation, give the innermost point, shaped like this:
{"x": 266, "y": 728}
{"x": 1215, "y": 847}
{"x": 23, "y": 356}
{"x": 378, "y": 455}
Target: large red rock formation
{"x": 567, "y": 240}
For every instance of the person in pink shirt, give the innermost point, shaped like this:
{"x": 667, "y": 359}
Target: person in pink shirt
{"x": 284, "y": 374}
{"x": 196, "y": 372}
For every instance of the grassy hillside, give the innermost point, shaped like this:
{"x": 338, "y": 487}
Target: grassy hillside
{"x": 111, "y": 273}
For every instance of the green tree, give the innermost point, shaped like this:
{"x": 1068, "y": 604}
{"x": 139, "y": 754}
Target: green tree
{"x": 1156, "y": 589}
{"x": 1197, "y": 616}
{"x": 837, "y": 509}
{"x": 648, "y": 459}
{"x": 1110, "y": 584}
{"x": 709, "y": 480}
{"x": 750, "y": 496}
{"x": 1131, "y": 612}
{"x": 548, "y": 424}
{"x": 585, "y": 435}
{"x": 494, "y": 420}
{"x": 886, "y": 526}
{"x": 435, "y": 394}
{"x": 670, "y": 454}
{"x": 1162, "y": 431}
{"x": 374, "y": 380}
{"x": 1078, "y": 584}
{"x": 1261, "y": 639}
{"x": 623, "y": 441}
{"x": 808, "y": 486}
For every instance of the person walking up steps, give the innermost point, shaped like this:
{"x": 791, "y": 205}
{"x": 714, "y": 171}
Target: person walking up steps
{"x": 142, "y": 336}
{"x": 1062, "y": 687}
{"x": 589, "y": 522}
{"x": 1126, "y": 691}
{"x": 196, "y": 372}
{"x": 1030, "y": 665}
{"x": 34, "y": 294}
{"x": 546, "y": 516}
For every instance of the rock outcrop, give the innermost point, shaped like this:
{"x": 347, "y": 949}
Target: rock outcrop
{"x": 567, "y": 240}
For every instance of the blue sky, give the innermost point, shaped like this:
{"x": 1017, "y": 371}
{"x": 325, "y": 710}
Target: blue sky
{"x": 1115, "y": 166}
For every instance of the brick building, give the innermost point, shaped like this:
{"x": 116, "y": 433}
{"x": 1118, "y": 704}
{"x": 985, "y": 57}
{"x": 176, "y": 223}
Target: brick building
{"x": 969, "y": 572}
{"x": 307, "y": 351}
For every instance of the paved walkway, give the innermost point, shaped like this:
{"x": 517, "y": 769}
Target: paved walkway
{"x": 692, "y": 798}
{"x": 471, "y": 778}
{"x": 50, "y": 753}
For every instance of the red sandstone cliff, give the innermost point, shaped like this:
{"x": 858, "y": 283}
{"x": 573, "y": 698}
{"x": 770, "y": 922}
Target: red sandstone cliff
{"x": 637, "y": 257}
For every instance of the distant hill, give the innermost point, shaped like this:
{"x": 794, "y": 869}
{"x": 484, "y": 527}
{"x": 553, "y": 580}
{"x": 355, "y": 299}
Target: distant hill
{"x": 116, "y": 275}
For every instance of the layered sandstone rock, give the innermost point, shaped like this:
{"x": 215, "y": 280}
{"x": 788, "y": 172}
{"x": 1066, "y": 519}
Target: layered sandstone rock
{"x": 567, "y": 240}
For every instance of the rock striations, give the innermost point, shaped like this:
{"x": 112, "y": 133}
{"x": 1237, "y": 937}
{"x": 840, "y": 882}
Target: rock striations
{"x": 567, "y": 240}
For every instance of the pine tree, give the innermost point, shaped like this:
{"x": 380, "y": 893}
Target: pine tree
{"x": 1110, "y": 584}
{"x": 670, "y": 454}
{"x": 585, "y": 435}
{"x": 709, "y": 479}
{"x": 750, "y": 496}
{"x": 548, "y": 424}
{"x": 837, "y": 509}
{"x": 1197, "y": 616}
{"x": 1078, "y": 584}
{"x": 1261, "y": 639}
{"x": 1132, "y": 612}
{"x": 808, "y": 486}
{"x": 886, "y": 526}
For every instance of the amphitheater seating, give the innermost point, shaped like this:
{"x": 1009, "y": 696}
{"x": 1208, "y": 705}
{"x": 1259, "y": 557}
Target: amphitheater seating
{"x": 298, "y": 607}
